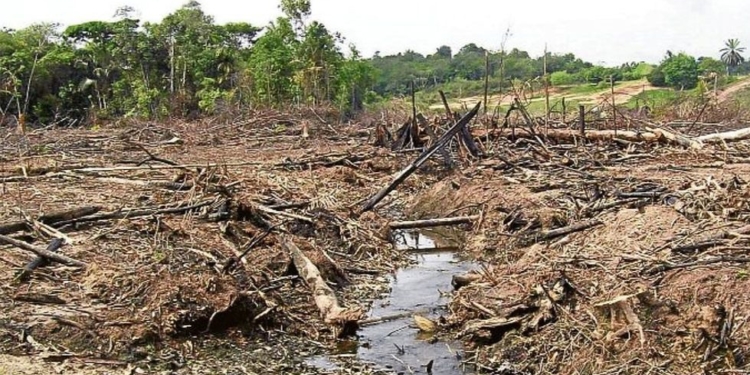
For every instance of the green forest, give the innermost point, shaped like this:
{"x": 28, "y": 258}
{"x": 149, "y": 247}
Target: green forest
{"x": 188, "y": 66}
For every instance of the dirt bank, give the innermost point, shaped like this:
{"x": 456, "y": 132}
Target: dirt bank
{"x": 650, "y": 275}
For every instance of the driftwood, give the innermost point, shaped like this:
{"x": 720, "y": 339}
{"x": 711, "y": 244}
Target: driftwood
{"x": 388, "y": 318}
{"x": 404, "y": 174}
{"x": 42, "y": 252}
{"x": 429, "y": 223}
{"x": 50, "y": 219}
{"x": 324, "y": 296}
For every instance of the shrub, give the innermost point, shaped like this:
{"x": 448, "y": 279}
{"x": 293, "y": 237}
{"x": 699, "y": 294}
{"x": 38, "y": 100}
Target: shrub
{"x": 562, "y": 78}
{"x": 657, "y": 77}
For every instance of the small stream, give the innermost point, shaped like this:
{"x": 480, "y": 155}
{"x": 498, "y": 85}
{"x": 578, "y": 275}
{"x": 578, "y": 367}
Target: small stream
{"x": 397, "y": 346}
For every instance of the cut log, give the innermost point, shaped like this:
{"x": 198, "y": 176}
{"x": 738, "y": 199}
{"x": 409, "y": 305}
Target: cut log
{"x": 404, "y": 174}
{"x": 325, "y": 298}
{"x": 736, "y": 135}
{"x": 569, "y": 135}
{"x": 51, "y": 219}
{"x": 430, "y": 223}
{"x": 42, "y": 252}
{"x": 677, "y": 138}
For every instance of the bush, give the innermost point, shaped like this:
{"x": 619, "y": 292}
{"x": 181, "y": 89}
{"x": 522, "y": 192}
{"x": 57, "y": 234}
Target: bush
{"x": 562, "y": 78}
{"x": 681, "y": 71}
{"x": 657, "y": 77}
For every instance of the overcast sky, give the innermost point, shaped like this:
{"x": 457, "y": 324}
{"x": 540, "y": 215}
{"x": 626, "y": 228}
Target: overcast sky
{"x": 598, "y": 31}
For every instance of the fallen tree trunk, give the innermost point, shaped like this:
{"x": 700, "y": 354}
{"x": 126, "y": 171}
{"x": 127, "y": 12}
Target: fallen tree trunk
{"x": 569, "y": 135}
{"x": 430, "y": 223}
{"x": 736, "y": 135}
{"x": 375, "y": 199}
{"x": 135, "y": 213}
{"x": 42, "y": 252}
{"x": 325, "y": 298}
{"x": 677, "y": 138}
{"x": 51, "y": 219}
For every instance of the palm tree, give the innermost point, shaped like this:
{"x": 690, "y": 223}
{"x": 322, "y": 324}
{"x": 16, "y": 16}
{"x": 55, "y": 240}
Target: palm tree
{"x": 731, "y": 53}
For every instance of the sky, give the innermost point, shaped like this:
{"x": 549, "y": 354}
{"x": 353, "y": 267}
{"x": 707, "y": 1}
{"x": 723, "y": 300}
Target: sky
{"x": 604, "y": 32}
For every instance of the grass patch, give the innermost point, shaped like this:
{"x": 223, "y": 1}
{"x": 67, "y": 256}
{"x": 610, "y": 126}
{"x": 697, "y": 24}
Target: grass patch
{"x": 654, "y": 98}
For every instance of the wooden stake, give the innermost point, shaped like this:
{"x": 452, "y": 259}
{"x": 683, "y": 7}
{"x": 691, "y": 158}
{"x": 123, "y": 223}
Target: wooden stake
{"x": 413, "y": 106}
{"x": 546, "y": 89}
{"x": 582, "y": 119}
{"x": 614, "y": 105}
{"x": 486, "y": 78}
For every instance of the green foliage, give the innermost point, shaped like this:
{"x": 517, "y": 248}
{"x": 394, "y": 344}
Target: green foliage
{"x": 680, "y": 71}
{"x": 731, "y": 54}
{"x": 638, "y": 71}
{"x": 708, "y": 65}
{"x": 562, "y": 78}
{"x": 272, "y": 63}
{"x": 184, "y": 65}
{"x": 657, "y": 77}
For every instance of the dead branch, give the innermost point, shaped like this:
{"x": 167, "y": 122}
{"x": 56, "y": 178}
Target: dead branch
{"x": 40, "y": 261}
{"x": 403, "y": 175}
{"x": 42, "y": 252}
{"x": 51, "y": 219}
{"x": 430, "y": 223}
{"x": 133, "y": 213}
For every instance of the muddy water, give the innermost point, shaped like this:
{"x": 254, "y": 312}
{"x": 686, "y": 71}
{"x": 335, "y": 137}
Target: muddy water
{"x": 397, "y": 346}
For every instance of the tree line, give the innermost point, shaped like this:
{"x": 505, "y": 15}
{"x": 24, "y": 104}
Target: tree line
{"x": 188, "y": 65}
{"x": 185, "y": 65}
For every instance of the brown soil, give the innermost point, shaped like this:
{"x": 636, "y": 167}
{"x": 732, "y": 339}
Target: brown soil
{"x": 622, "y": 294}
{"x": 685, "y": 317}
{"x": 154, "y": 295}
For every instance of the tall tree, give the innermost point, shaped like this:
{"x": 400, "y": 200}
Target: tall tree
{"x": 731, "y": 54}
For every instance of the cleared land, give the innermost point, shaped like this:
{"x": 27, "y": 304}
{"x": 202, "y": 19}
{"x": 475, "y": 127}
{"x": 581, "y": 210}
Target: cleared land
{"x": 601, "y": 254}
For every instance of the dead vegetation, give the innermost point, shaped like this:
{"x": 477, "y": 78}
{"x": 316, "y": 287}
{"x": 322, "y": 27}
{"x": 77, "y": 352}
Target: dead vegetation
{"x": 164, "y": 247}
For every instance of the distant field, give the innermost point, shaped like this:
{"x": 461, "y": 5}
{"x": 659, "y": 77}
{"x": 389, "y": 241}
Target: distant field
{"x": 629, "y": 94}
{"x": 587, "y": 94}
